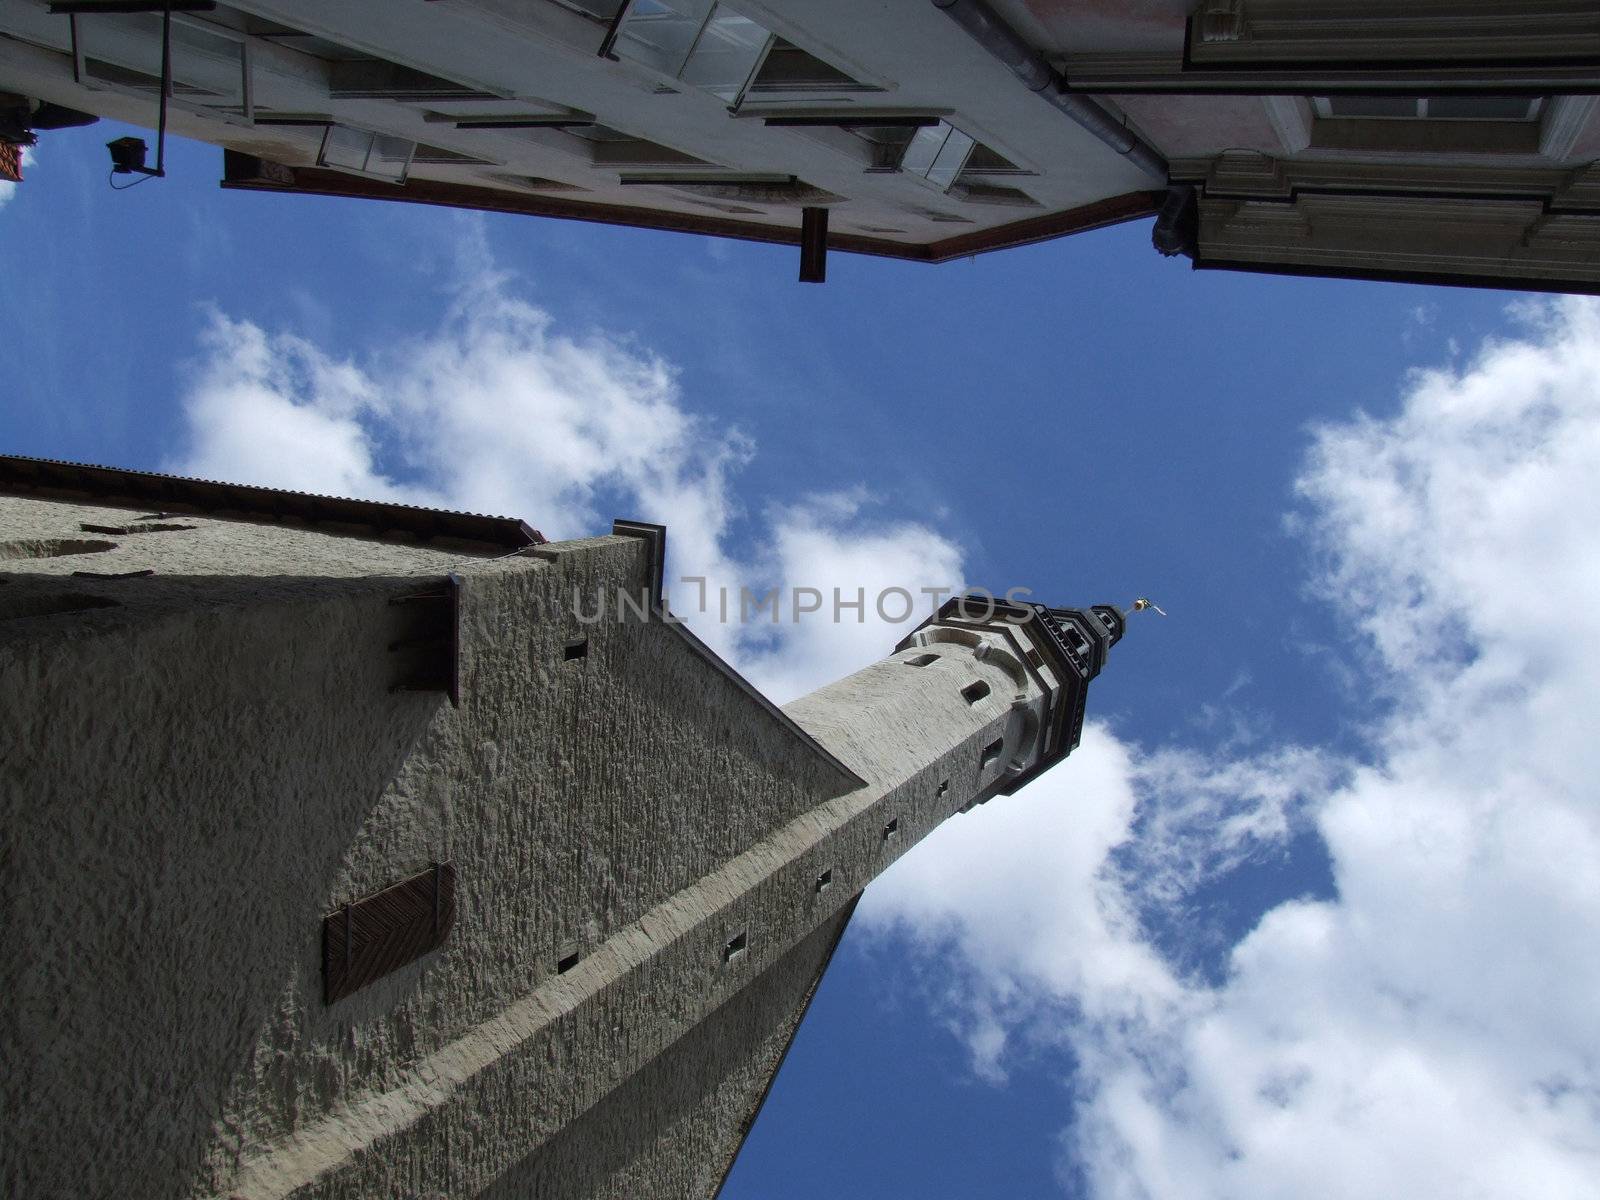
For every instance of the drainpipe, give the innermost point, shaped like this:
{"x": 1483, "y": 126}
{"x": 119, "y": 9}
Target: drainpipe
{"x": 1028, "y": 65}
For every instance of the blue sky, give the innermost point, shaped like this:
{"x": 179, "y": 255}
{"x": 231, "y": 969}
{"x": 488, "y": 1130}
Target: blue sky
{"x": 1362, "y": 504}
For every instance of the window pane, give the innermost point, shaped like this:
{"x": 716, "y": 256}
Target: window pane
{"x": 726, "y": 54}
{"x": 345, "y": 149}
{"x": 1372, "y": 106}
{"x": 218, "y": 60}
{"x": 362, "y": 152}
{"x": 952, "y": 157}
{"x": 390, "y": 156}
{"x": 660, "y": 33}
{"x": 124, "y": 49}
{"x": 924, "y": 149}
{"x": 937, "y": 153}
{"x": 1481, "y": 108}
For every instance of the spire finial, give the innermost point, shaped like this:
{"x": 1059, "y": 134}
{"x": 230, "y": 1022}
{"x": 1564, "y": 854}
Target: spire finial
{"x": 1144, "y": 602}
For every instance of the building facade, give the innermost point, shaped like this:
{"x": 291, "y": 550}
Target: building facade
{"x": 1438, "y": 140}
{"x": 358, "y": 850}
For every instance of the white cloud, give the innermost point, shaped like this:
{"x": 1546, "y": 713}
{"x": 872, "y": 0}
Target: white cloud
{"x": 1430, "y": 1031}
{"x": 1019, "y": 887}
{"x": 498, "y": 410}
{"x": 828, "y": 543}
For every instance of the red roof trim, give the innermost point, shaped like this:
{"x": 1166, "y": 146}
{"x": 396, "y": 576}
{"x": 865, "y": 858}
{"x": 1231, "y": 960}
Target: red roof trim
{"x": 242, "y": 172}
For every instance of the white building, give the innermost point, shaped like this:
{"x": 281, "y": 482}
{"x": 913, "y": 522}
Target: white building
{"x": 1442, "y": 140}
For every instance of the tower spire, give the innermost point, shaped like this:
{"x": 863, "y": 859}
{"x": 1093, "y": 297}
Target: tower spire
{"x": 995, "y": 673}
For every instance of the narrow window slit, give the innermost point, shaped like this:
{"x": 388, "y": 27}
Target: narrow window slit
{"x": 975, "y": 691}
{"x": 735, "y": 947}
{"x": 825, "y": 880}
{"x": 26, "y": 604}
{"x": 922, "y": 660}
{"x": 944, "y": 786}
{"x": 567, "y": 963}
{"x": 892, "y": 829}
{"x": 576, "y": 648}
{"x": 991, "y": 753}
{"x": 124, "y": 530}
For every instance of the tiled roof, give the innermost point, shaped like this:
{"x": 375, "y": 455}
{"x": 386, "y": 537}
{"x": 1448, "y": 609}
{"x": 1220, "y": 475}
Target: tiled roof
{"x": 10, "y": 162}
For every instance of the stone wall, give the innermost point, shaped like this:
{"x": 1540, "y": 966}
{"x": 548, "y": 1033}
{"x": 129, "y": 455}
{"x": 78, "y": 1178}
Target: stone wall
{"x": 200, "y": 771}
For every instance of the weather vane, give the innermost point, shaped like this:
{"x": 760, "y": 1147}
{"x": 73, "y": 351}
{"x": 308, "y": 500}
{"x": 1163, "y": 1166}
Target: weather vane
{"x": 1144, "y": 602}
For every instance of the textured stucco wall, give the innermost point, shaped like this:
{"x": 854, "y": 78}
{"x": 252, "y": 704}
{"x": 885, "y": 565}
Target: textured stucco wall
{"x": 178, "y": 793}
{"x": 212, "y": 546}
{"x": 573, "y": 1040}
{"x": 196, "y": 775}
{"x": 674, "y": 1127}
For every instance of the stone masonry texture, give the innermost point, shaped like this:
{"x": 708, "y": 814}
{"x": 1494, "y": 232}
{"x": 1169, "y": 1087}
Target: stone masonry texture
{"x": 204, "y": 760}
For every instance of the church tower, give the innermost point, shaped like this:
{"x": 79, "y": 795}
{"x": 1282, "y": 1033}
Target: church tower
{"x": 362, "y": 850}
{"x": 999, "y": 698}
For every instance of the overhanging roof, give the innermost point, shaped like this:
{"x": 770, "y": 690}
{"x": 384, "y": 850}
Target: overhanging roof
{"x": 243, "y": 172}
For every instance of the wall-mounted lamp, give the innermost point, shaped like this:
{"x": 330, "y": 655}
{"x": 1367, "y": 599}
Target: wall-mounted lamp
{"x": 127, "y": 156}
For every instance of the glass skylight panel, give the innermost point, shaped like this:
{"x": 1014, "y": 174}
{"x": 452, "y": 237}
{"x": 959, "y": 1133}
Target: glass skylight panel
{"x": 937, "y": 153}
{"x": 1483, "y": 108}
{"x": 661, "y": 33}
{"x": 1372, "y": 106}
{"x": 210, "y": 64}
{"x": 221, "y": 60}
{"x": 1431, "y": 108}
{"x": 362, "y": 152}
{"x": 726, "y": 55}
{"x": 705, "y": 44}
{"x": 952, "y": 158}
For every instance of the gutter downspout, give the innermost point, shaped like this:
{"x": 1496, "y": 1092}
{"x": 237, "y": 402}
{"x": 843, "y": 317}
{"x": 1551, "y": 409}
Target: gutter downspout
{"x": 1028, "y": 65}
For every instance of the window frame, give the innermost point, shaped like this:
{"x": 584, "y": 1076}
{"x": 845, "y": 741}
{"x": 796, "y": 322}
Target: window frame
{"x": 122, "y": 32}
{"x": 1325, "y": 109}
{"x": 677, "y": 67}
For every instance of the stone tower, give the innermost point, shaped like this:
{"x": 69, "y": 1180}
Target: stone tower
{"x": 348, "y": 856}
